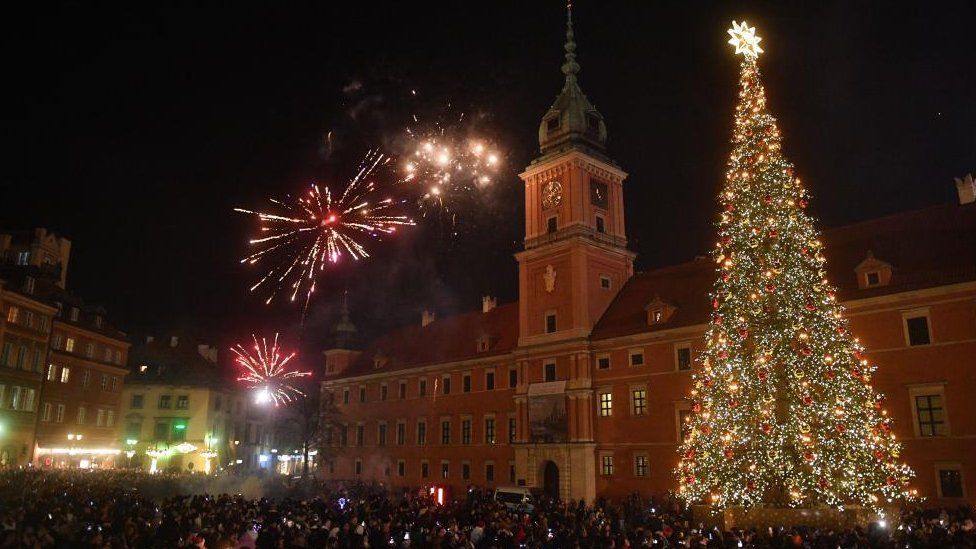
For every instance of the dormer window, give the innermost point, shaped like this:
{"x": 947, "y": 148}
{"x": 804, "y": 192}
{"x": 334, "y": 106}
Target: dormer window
{"x": 483, "y": 343}
{"x": 872, "y": 272}
{"x": 659, "y": 312}
{"x": 552, "y": 124}
{"x": 379, "y": 361}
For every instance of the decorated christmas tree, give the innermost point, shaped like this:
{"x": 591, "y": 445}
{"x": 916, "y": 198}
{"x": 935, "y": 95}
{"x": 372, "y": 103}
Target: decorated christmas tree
{"x": 784, "y": 413}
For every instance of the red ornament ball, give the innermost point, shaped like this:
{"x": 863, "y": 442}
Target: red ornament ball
{"x": 715, "y": 303}
{"x": 830, "y": 374}
{"x": 773, "y": 233}
{"x": 689, "y": 454}
{"x": 751, "y": 485}
{"x": 808, "y": 455}
{"x": 803, "y": 203}
{"x": 806, "y": 351}
{"x": 767, "y": 428}
{"x": 810, "y": 306}
{"x": 807, "y": 400}
{"x": 770, "y": 287}
{"x": 892, "y": 481}
{"x": 728, "y": 453}
{"x": 841, "y": 428}
{"x": 768, "y": 199}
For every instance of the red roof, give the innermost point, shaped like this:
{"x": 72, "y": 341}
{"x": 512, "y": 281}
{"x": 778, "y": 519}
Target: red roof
{"x": 930, "y": 247}
{"x": 449, "y": 339}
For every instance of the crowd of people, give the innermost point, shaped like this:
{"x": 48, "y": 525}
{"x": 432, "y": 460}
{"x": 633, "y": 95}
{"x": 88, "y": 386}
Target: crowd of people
{"x": 119, "y": 509}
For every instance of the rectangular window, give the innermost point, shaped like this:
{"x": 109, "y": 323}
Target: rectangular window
{"x": 23, "y": 258}
{"x": 489, "y": 430}
{"x": 603, "y": 362}
{"x": 466, "y": 383}
{"x": 165, "y": 402}
{"x": 465, "y": 431}
{"x": 872, "y": 278}
{"x": 513, "y": 377}
{"x": 684, "y": 417}
{"x": 401, "y": 433}
{"x": 179, "y": 430}
{"x": 917, "y": 329}
{"x": 381, "y": 435}
{"x": 640, "y": 466}
{"x": 600, "y": 227}
{"x": 13, "y": 313}
{"x": 29, "y": 319}
{"x": 46, "y": 411}
{"x": 85, "y": 378}
{"x": 490, "y": 381}
{"x": 383, "y": 392}
{"x": 29, "y": 401}
{"x": 360, "y": 435}
{"x": 161, "y": 431}
{"x": 606, "y": 404}
{"x": 110, "y": 418}
{"x": 403, "y": 390}
{"x": 422, "y": 387}
{"x": 65, "y": 374}
{"x": 56, "y": 341}
{"x": 682, "y": 356}
{"x": 950, "y": 481}
{"x": 362, "y": 394}
{"x": 15, "y": 397}
{"x": 424, "y": 469}
{"x": 100, "y": 418}
{"x": 550, "y": 371}
{"x": 89, "y": 350}
{"x": 930, "y": 415}
{"x": 136, "y": 402}
{"x": 401, "y": 468}
{"x": 104, "y": 382}
{"x": 511, "y": 472}
{"x": 81, "y": 415}
{"x": 511, "y": 430}
{"x": 445, "y": 470}
{"x": 38, "y": 360}
{"x": 550, "y": 323}
{"x": 639, "y": 399}
{"x": 52, "y": 372}
{"x": 421, "y": 433}
{"x": 446, "y": 431}
{"x": 7, "y": 352}
{"x": 490, "y": 472}
{"x": 637, "y": 358}
{"x": 359, "y": 466}
{"x": 605, "y": 282}
{"x": 69, "y": 345}
{"x": 446, "y": 385}
{"x": 345, "y": 396}
{"x": 182, "y": 402}
{"x": 344, "y": 436}
{"x": 59, "y": 413}
{"x": 74, "y": 314}
{"x": 466, "y": 471}
{"x": 606, "y": 465}
{"x": 551, "y": 225}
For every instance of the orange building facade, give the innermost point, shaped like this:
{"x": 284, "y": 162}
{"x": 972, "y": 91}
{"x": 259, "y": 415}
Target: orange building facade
{"x": 579, "y": 388}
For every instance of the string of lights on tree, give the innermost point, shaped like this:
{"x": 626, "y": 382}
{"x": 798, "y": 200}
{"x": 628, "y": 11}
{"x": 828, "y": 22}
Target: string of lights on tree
{"x": 783, "y": 411}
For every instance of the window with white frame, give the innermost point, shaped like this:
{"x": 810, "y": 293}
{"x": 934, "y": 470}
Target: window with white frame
{"x": 638, "y": 400}
{"x": 682, "y": 356}
{"x": 917, "y": 330}
{"x": 640, "y": 465}
{"x": 606, "y": 404}
{"x": 606, "y": 464}
{"x": 636, "y": 357}
{"x": 929, "y": 409}
{"x": 603, "y": 362}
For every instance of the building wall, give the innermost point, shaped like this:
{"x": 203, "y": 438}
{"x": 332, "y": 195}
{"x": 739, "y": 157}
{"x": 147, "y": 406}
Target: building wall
{"x": 944, "y": 367}
{"x": 85, "y": 383}
{"x": 24, "y": 329}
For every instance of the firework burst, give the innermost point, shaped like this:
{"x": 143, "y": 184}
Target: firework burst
{"x": 447, "y": 160}
{"x": 313, "y": 231}
{"x": 267, "y": 370}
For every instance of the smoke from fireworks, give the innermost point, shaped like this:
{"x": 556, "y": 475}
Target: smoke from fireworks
{"x": 266, "y": 369}
{"x": 313, "y": 231}
{"x": 446, "y": 160}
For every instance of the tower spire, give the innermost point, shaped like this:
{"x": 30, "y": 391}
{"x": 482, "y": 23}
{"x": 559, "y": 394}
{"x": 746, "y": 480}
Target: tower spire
{"x": 570, "y": 66}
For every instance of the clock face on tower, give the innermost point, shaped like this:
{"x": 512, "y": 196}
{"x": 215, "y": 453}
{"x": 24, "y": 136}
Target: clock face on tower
{"x": 599, "y": 194}
{"x": 552, "y": 194}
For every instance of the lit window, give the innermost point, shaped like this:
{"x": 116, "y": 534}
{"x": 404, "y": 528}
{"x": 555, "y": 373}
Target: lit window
{"x": 640, "y": 466}
{"x": 100, "y": 418}
{"x": 65, "y": 374}
{"x": 69, "y": 345}
{"x": 182, "y": 402}
{"x": 23, "y": 258}
{"x": 606, "y": 404}
{"x": 13, "y": 313}
{"x": 489, "y": 430}
{"x": 606, "y": 465}
{"x": 445, "y": 470}
{"x": 639, "y": 398}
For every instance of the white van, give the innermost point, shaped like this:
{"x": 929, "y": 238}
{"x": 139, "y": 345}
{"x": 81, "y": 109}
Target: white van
{"x": 517, "y": 498}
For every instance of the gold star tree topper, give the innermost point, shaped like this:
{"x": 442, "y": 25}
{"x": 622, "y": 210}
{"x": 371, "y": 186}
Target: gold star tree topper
{"x": 745, "y": 40}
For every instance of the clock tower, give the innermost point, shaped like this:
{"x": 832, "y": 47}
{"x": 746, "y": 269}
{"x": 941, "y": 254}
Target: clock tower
{"x": 575, "y": 258}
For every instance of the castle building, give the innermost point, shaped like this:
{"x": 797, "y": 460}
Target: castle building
{"x": 578, "y": 389}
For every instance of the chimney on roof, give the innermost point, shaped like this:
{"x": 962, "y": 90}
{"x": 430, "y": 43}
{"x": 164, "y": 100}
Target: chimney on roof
{"x": 150, "y": 339}
{"x": 427, "y": 317}
{"x": 966, "y": 187}
{"x": 488, "y": 303}
{"x": 208, "y": 352}
{"x": 174, "y": 341}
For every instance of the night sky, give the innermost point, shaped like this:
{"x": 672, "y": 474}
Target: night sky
{"x": 135, "y": 131}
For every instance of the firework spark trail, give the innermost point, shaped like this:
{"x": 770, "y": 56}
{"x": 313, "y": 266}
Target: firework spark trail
{"x": 267, "y": 369}
{"x": 314, "y": 231}
{"x": 449, "y": 161}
